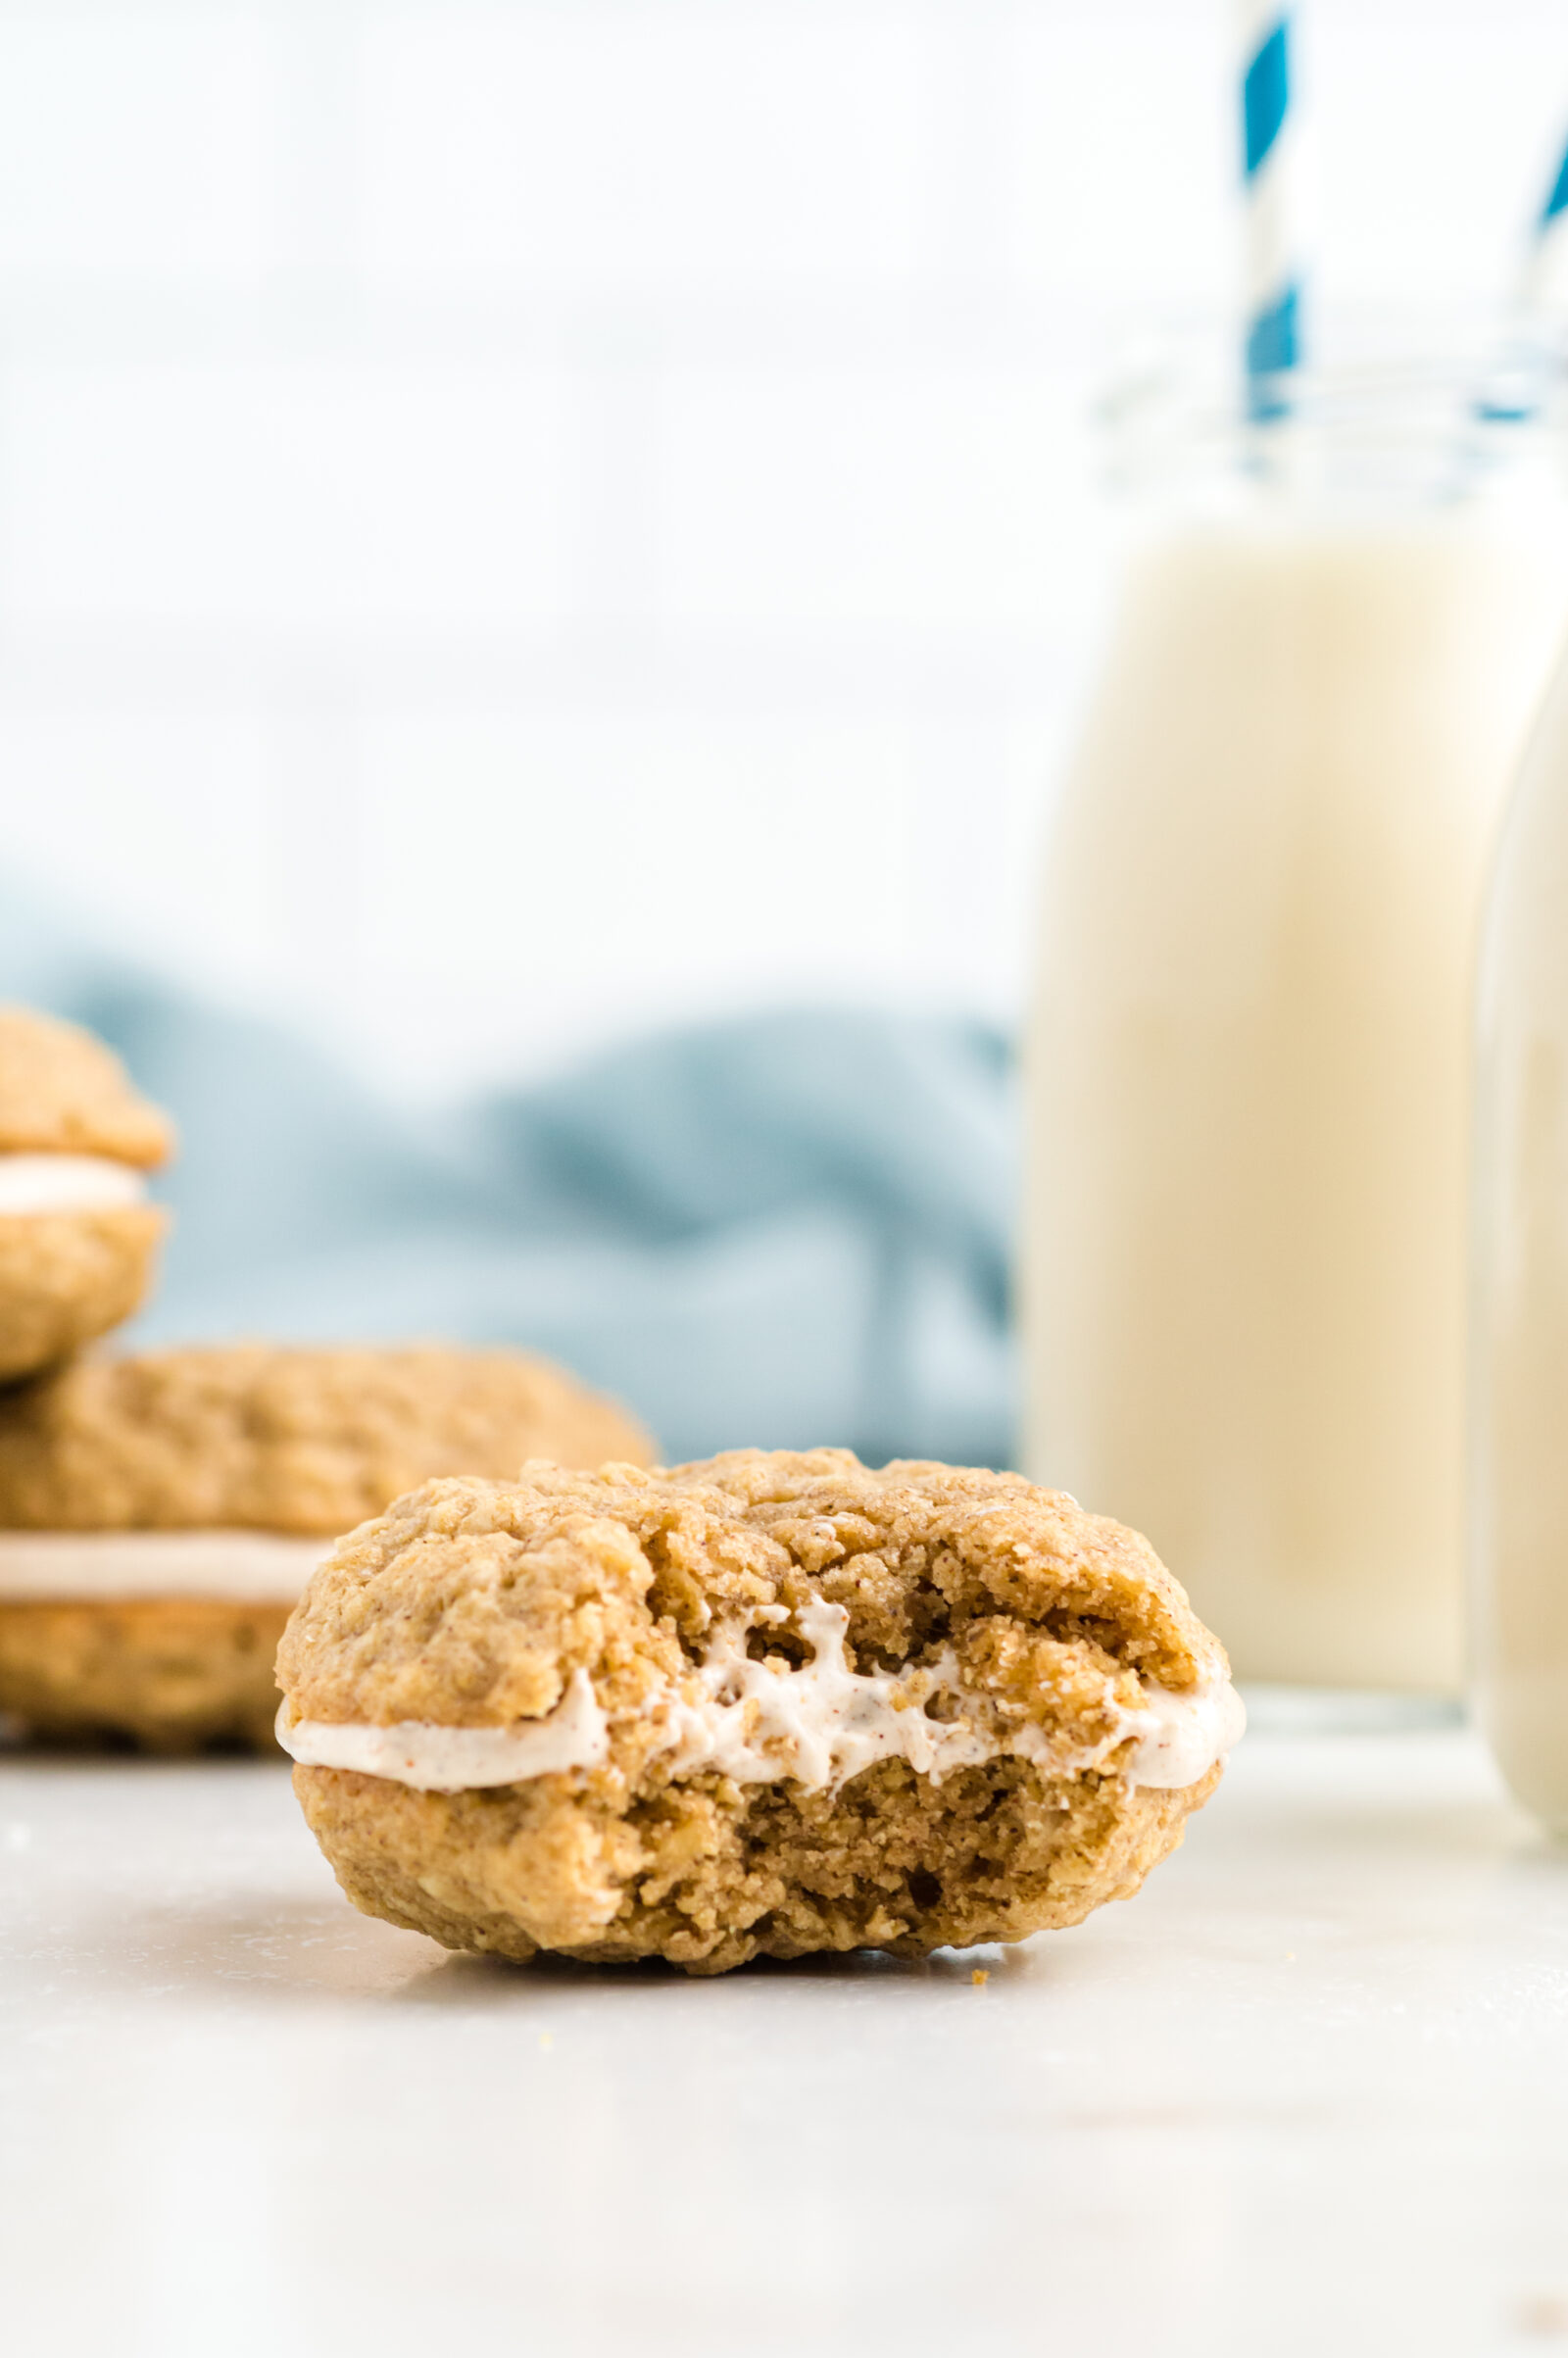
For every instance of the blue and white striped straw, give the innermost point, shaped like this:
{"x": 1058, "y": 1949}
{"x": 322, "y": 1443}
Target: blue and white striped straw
{"x": 1547, "y": 242}
{"x": 1272, "y": 282}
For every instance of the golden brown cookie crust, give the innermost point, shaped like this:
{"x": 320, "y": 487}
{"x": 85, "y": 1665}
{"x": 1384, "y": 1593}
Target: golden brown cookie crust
{"x": 62, "y": 1092}
{"x": 714, "y": 1884}
{"x": 169, "y": 1673}
{"x": 67, "y": 1277}
{"x": 263, "y": 1437}
{"x": 472, "y": 1604}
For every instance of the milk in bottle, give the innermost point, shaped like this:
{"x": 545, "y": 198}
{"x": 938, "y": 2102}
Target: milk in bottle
{"x": 1247, "y": 1061}
{"x": 1519, "y": 1464}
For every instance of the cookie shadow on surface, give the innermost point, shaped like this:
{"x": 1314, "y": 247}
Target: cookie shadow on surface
{"x": 297, "y": 1950}
{"x": 25, "y": 1745}
{"x": 464, "y": 1979}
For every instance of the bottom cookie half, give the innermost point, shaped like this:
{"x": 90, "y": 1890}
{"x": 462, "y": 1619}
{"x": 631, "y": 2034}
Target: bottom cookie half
{"x": 709, "y": 1874}
{"x": 67, "y": 1277}
{"x": 169, "y": 1673}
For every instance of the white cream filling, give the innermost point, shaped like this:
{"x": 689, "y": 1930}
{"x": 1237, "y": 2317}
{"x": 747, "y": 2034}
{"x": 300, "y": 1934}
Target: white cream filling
{"x": 821, "y": 1724}
{"x": 1183, "y": 1735}
{"x": 83, "y": 1567}
{"x": 33, "y": 1183}
{"x": 450, "y": 1760}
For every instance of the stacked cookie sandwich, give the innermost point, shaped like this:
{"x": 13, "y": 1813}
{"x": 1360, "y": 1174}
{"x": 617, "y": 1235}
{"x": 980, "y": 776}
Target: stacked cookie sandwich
{"x": 78, "y": 1239}
{"x": 160, "y": 1514}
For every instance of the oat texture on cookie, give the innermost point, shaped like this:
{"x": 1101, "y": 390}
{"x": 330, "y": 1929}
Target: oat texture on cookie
{"x": 766, "y": 1704}
{"x": 271, "y": 1437}
{"x": 63, "y": 1092}
{"x": 197, "y": 1448}
{"x": 68, "y": 1277}
{"x": 170, "y": 1673}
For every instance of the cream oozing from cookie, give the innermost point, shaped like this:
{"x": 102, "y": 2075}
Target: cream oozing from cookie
{"x": 575, "y": 1735}
{"x": 821, "y": 1724}
{"x": 34, "y": 1183}
{"x": 83, "y": 1567}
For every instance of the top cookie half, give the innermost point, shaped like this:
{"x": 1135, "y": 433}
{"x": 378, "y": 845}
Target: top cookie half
{"x": 62, "y": 1092}
{"x": 470, "y": 1604}
{"x": 261, "y": 1437}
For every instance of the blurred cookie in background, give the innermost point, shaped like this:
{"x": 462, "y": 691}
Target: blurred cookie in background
{"x": 77, "y": 1238}
{"x": 161, "y": 1513}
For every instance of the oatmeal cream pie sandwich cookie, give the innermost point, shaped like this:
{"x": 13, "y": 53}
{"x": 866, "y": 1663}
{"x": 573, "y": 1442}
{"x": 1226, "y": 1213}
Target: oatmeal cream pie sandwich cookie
{"x": 161, "y": 1513}
{"x": 78, "y": 1237}
{"x": 761, "y": 1705}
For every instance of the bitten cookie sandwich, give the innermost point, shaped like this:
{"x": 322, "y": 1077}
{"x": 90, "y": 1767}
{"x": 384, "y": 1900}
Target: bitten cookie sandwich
{"x": 761, "y": 1705}
{"x": 77, "y": 1238}
{"x": 160, "y": 1514}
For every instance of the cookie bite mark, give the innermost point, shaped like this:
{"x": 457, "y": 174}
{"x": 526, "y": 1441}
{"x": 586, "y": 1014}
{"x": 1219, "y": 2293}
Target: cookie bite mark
{"x": 823, "y": 1722}
{"x": 780, "y": 1702}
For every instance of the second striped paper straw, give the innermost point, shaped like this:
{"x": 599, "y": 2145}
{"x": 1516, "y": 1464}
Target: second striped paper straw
{"x": 1543, "y": 262}
{"x": 1272, "y": 279}
{"x": 1528, "y": 350}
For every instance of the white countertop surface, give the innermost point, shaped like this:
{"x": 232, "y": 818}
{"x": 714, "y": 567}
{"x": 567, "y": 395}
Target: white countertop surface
{"x": 1308, "y": 2093}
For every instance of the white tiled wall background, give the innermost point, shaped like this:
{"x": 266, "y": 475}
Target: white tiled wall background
{"x": 523, "y": 520}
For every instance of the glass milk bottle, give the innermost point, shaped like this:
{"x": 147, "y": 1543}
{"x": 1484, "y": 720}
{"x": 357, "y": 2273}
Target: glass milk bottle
{"x": 1247, "y": 1063}
{"x": 1519, "y": 1436}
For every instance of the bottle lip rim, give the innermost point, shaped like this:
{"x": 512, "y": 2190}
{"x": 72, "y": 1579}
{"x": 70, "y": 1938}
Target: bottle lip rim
{"x": 1439, "y": 371}
{"x": 1398, "y": 435}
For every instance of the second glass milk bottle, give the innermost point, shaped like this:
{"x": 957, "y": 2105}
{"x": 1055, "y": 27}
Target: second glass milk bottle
{"x": 1519, "y": 1459}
